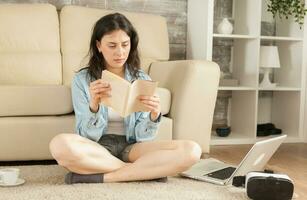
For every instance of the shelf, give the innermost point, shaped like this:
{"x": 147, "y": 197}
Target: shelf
{"x": 245, "y": 88}
{"x": 233, "y": 138}
{"x": 272, "y": 38}
{"x": 280, "y": 89}
{"x": 239, "y": 139}
{"x": 234, "y": 36}
{"x": 277, "y": 38}
{"x": 282, "y": 108}
{"x": 237, "y": 88}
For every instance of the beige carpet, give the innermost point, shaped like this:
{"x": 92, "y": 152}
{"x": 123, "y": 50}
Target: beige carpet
{"x": 46, "y": 182}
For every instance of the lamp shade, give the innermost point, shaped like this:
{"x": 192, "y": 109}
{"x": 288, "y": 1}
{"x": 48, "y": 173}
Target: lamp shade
{"x": 269, "y": 57}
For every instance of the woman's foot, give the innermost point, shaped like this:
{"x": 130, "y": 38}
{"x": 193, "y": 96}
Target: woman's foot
{"x": 161, "y": 180}
{"x": 72, "y": 178}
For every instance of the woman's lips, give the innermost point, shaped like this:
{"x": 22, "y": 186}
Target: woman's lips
{"x": 119, "y": 60}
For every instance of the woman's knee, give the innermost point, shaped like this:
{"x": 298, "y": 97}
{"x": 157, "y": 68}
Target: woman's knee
{"x": 63, "y": 148}
{"x": 190, "y": 153}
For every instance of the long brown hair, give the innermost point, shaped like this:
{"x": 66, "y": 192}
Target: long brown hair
{"x": 105, "y": 25}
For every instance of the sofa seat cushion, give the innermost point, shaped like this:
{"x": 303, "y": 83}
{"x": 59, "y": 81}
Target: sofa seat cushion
{"x": 165, "y": 99}
{"x": 32, "y": 135}
{"x": 28, "y": 138}
{"x": 35, "y": 100}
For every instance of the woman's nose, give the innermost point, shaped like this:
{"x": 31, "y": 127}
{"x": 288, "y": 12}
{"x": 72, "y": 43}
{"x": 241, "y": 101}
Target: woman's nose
{"x": 119, "y": 51}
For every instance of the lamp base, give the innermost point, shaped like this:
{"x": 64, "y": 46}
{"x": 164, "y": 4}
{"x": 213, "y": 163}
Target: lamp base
{"x": 266, "y": 83}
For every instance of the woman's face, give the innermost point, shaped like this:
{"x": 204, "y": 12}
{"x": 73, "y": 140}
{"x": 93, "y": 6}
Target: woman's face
{"x": 115, "y": 48}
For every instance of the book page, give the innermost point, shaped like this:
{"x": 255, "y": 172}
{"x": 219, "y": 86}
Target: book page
{"x": 119, "y": 91}
{"x": 140, "y": 87}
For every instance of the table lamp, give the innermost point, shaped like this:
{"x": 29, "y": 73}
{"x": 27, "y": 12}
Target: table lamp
{"x": 269, "y": 58}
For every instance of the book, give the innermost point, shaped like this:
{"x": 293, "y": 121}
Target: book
{"x": 124, "y": 95}
{"x": 229, "y": 82}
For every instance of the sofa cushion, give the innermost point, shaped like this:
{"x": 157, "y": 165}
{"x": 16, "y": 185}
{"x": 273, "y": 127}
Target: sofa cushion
{"x": 29, "y": 45}
{"x": 35, "y": 100}
{"x": 165, "y": 129}
{"x": 76, "y": 26}
{"x": 28, "y": 138}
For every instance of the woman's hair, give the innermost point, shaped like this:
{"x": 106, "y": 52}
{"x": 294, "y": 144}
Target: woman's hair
{"x": 106, "y": 25}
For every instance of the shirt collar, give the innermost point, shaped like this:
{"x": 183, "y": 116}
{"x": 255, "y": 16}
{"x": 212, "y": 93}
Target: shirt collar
{"x": 128, "y": 75}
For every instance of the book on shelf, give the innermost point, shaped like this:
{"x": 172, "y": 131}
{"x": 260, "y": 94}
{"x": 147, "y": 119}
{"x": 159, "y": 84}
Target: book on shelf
{"x": 124, "y": 95}
{"x": 229, "y": 82}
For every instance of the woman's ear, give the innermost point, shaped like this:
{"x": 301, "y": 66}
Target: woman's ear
{"x": 98, "y": 45}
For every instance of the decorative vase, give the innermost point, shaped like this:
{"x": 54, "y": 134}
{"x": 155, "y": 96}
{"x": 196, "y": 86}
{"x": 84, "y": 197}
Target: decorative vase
{"x": 225, "y": 27}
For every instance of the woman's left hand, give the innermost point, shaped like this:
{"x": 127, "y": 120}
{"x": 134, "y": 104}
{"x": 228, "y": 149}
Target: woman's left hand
{"x": 153, "y": 105}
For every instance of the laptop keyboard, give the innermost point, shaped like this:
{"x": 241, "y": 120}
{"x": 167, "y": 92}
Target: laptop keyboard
{"x": 223, "y": 173}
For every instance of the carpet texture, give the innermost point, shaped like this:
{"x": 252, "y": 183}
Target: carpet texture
{"x": 47, "y": 182}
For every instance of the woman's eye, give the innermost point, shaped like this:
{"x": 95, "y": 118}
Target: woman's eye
{"x": 112, "y": 46}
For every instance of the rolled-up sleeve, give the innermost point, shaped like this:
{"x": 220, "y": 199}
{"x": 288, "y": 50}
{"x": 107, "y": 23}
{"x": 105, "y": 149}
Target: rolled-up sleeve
{"x": 145, "y": 128}
{"x": 88, "y": 124}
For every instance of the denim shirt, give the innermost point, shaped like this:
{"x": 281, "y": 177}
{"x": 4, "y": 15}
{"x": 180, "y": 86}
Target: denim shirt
{"x": 138, "y": 126}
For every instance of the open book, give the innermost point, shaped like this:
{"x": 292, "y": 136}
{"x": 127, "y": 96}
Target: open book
{"x": 124, "y": 95}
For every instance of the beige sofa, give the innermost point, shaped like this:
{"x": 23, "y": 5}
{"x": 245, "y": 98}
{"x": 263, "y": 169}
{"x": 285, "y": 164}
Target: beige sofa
{"x": 39, "y": 54}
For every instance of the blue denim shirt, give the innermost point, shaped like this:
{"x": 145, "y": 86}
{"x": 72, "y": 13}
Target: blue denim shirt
{"x": 138, "y": 126}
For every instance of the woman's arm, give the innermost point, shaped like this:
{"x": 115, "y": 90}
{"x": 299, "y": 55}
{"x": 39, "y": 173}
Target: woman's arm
{"x": 88, "y": 124}
{"x": 147, "y": 122}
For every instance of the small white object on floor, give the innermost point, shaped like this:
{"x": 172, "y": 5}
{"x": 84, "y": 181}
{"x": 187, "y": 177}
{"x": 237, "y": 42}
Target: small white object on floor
{"x": 20, "y": 181}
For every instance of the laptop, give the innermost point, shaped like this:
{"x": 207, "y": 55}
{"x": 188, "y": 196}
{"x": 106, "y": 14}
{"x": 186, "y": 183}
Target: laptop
{"x": 217, "y": 172}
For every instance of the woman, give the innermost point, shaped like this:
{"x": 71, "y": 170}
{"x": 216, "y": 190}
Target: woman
{"x": 109, "y": 148}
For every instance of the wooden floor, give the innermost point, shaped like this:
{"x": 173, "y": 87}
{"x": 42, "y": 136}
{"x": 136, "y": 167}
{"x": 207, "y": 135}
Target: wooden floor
{"x": 290, "y": 159}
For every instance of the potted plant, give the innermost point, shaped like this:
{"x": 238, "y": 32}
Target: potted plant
{"x": 286, "y": 8}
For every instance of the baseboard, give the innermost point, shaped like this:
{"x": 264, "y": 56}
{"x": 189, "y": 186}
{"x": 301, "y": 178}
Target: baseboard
{"x": 28, "y": 162}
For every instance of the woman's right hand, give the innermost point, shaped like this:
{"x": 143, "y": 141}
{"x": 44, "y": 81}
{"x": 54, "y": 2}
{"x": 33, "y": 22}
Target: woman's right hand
{"x": 98, "y": 89}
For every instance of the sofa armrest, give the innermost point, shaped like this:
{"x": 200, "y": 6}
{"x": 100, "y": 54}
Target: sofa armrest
{"x": 193, "y": 85}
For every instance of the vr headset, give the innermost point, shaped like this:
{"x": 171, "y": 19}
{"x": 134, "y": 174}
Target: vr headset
{"x": 266, "y": 186}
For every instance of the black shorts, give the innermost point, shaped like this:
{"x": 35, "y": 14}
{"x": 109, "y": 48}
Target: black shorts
{"x": 116, "y": 145}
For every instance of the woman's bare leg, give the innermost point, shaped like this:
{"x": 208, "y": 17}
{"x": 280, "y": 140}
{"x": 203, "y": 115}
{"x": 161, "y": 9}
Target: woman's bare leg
{"x": 83, "y": 156}
{"x": 150, "y": 160}
{"x": 156, "y": 159}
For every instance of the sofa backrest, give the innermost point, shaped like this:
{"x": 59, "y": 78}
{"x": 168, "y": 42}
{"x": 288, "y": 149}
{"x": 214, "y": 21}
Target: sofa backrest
{"x": 76, "y": 25}
{"x": 29, "y": 45}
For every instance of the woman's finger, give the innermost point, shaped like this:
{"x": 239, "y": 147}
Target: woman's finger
{"x": 151, "y": 108}
{"x": 151, "y": 98}
{"x": 151, "y": 103}
{"x": 101, "y": 90}
{"x": 100, "y": 86}
{"x": 99, "y": 82}
{"x": 105, "y": 95}
{"x": 94, "y": 83}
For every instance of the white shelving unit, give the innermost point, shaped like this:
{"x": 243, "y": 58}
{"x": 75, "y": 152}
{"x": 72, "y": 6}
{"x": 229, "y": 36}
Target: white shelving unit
{"x": 274, "y": 38}
{"x": 247, "y": 107}
{"x": 233, "y": 36}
